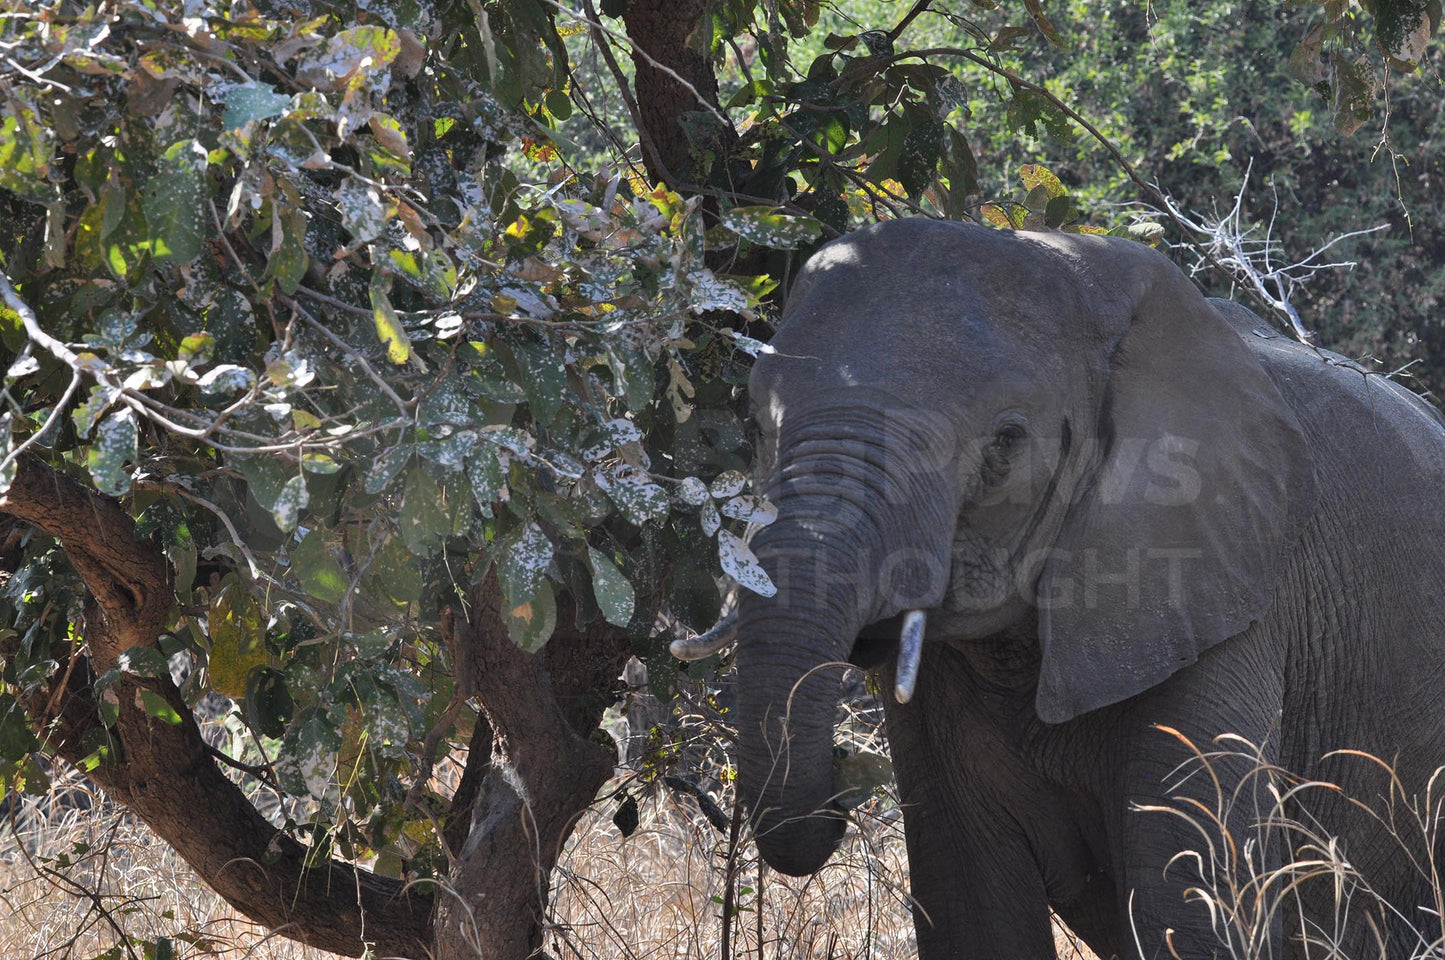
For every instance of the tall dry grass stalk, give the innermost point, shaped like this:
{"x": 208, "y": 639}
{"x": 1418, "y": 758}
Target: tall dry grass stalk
{"x": 1254, "y": 882}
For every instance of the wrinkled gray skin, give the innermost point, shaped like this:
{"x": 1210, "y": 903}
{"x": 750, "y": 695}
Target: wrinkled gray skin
{"x": 1123, "y": 506}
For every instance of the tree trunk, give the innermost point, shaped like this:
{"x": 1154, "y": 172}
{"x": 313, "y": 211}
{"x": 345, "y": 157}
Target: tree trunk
{"x": 541, "y": 774}
{"x": 675, "y": 78}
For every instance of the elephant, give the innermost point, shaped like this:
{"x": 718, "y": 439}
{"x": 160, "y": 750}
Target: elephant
{"x": 1119, "y": 550}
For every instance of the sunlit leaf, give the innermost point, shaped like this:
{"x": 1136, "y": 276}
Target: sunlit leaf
{"x": 157, "y": 706}
{"x": 174, "y": 207}
{"x": 246, "y": 102}
{"x": 115, "y": 445}
{"x": 319, "y": 572}
{"x": 763, "y": 225}
{"x": 238, "y": 639}
{"x": 742, "y": 565}
{"x": 388, "y": 324}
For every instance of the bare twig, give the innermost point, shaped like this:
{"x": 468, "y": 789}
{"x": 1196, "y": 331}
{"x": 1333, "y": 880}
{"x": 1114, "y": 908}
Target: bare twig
{"x": 346, "y": 348}
{"x": 1230, "y": 244}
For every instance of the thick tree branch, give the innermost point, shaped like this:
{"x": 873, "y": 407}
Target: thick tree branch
{"x": 164, "y": 773}
{"x": 542, "y": 774}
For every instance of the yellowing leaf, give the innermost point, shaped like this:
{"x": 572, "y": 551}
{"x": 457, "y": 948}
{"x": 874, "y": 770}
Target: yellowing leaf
{"x": 388, "y": 324}
{"x": 238, "y": 640}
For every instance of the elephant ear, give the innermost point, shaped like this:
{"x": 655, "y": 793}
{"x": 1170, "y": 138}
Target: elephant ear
{"x": 1202, "y": 484}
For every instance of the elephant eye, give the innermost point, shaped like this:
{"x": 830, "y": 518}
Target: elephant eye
{"x": 1005, "y": 442}
{"x": 1008, "y": 436}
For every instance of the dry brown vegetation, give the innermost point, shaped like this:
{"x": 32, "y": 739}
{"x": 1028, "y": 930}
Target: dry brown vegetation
{"x": 657, "y": 894}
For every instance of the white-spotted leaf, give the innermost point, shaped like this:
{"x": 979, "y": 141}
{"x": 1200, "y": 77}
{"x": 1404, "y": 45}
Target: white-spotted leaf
{"x": 292, "y": 499}
{"x": 226, "y": 378}
{"x": 693, "y": 492}
{"x": 522, "y": 562}
{"x": 252, "y": 101}
{"x": 610, "y": 436}
{"x": 739, "y": 563}
{"x": 614, "y": 593}
{"x": 530, "y": 623}
{"x": 752, "y": 509}
{"x": 709, "y": 519}
{"x": 363, "y": 211}
{"x": 766, "y": 227}
{"x": 114, "y": 446}
{"x": 728, "y": 485}
{"x": 635, "y": 494}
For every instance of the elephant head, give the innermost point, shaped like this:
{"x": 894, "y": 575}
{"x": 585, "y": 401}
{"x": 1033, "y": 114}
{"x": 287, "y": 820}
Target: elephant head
{"x": 989, "y": 429}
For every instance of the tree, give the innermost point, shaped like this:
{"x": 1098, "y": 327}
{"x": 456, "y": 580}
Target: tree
{"x": 342, "y": 379}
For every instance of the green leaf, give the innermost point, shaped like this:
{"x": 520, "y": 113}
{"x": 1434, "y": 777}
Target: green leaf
{"x": 445, "y": 405}
{"x": 765, "y": 226}
{"x": 115, "y": 445}
{"x": 307, "y": 761}
{"x": 522, "y": 562}
{"x": 1036, "y": 175}
{"x": 144, "y": 662}
{"x": 394, "y": 576}
{"x": 289, "y": 260}
{"x": 252, "y": 101}
{"x": 1059, "y": 211}
{"x": 157, "y": 706}
{"x": 319, "y": 572}
{"x": 430, "y": 271}
{"x": 16, "y": 737}
{"x": 385, "y": 468}
{"x": 25, "y": 151}
{"x": 544, "y": 377}
{"x": 490, "y": 378}
{"x": 530, "y": 623}
{"x": 99, "y": 401}
{"x": 614, "y": 592}
{"x": 423, "y": 520}
{"x": 919, "y": 156}
{"x": 359, "y": 50}
{"x": 293, "y": 498}
{"x": 174, "y": 203}
{"x": 363, "y": 211}
{"x": 196, "y": 348}
{"x": 488, "y": 479}
{"x": 634, "y": 374}
{"x": 268, "y": 704}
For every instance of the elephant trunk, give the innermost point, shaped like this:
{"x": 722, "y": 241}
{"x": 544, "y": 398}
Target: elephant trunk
{"x": 862, "y": 534}
{"x": 790, "y": 661}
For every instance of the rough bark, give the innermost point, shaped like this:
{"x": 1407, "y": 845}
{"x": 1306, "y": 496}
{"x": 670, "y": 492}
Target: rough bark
{"x": 673, "y": 78}
{"x": 541, "y": 774}
{"x": 164, "y": 773}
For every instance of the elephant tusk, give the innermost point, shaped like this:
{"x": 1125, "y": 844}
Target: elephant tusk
{"x": 707, "y": 644}
{"x": 910, "y": 651}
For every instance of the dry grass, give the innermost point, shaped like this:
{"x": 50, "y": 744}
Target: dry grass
{"x": 84, "y": 875}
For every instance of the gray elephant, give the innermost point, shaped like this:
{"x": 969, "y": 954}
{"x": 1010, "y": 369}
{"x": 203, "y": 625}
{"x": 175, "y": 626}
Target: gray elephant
{"x": 1111, "y": 521}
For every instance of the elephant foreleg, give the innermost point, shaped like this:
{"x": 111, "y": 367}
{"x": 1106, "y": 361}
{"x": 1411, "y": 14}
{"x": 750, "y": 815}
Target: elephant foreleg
{"x": 977, "y": 893}
{"x": 977, "y": 888}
